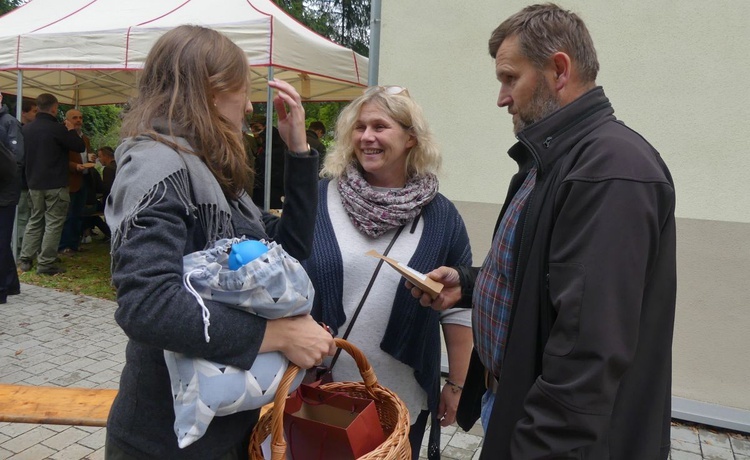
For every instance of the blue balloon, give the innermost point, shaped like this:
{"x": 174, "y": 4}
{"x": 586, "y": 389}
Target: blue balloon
{"x": 245, "y": 252}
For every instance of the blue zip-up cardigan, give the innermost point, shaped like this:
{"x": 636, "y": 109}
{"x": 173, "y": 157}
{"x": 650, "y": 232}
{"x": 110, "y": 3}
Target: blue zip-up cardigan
{"x": 413, "y": 332}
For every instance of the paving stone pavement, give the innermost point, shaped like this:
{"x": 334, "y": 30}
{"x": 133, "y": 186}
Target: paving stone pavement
{"x": 62, "y": 339}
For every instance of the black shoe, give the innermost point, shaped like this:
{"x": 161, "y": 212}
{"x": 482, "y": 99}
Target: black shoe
{"x": 24, "y": 265}
{"x": 51, "y": 271}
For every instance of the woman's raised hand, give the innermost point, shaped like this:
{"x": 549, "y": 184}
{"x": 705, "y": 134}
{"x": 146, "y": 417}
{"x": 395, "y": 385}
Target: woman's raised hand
{"x": 288, "y": 106}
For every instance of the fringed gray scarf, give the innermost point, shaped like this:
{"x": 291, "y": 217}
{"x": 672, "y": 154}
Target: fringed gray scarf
{"x": 374, "y": 212}
{"x": 144, "y": 166}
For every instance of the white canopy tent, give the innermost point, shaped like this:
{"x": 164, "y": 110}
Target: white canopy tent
{"x": 86, "y": 52}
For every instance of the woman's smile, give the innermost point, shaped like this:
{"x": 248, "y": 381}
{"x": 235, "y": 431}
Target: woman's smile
{"x": 381, "y": 145}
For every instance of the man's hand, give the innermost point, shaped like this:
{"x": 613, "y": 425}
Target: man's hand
{"x": 300, "y": 339}
{"x": 288, "y": 105}
{"x": 448, "y": 297}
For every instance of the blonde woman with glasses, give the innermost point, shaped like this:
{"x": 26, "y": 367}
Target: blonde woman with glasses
{"x": 380, "y": 191}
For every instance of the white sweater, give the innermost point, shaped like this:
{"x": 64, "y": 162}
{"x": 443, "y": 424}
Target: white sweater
{"x": 370, "y": 326}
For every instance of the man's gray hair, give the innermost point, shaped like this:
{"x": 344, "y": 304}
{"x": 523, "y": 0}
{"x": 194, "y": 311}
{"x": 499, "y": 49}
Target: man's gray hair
{"x": 545, "y": 29}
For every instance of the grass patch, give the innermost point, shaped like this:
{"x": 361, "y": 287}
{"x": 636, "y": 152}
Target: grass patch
{"x": 87, "y": 273}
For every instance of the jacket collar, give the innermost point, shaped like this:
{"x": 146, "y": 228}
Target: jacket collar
{"x": 45, "y": 115}
{"x": 552, "y": 137}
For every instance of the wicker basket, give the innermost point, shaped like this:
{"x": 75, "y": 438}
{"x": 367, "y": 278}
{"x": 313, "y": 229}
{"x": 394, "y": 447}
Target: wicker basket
{"x": 393, "y": 415}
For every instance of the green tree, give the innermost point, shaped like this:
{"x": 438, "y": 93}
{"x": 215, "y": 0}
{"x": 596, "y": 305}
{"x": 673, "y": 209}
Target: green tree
{"x": 325, "y": 112}
{"x": 295, "y": 8}
{"x": 101, "y": 123}
{"x": 8, "y": 5}
{"x": 349, "y": 20}
{"x": 346, "y": 22}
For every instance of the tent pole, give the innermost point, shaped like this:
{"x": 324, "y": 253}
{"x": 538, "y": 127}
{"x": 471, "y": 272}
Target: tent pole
{"x": 19, "y": 109}
{"x": 19, "y": 94}
{"x": 374, "y": 62}
{"x": 268, "y": 150}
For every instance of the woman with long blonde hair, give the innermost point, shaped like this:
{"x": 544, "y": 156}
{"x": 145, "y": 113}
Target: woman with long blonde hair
{"x": 381, "y": 192}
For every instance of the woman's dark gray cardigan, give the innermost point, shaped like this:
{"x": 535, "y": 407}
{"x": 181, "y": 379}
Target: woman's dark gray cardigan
{"x": 158, "y": 313}
{"x": 413, "y": 332}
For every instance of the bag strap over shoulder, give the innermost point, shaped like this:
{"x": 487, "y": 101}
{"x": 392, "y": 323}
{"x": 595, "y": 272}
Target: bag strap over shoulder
{"x": 364, "y": 296}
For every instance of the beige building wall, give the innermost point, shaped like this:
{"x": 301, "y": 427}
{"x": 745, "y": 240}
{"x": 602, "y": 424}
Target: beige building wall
{"x": 677, "y": 73}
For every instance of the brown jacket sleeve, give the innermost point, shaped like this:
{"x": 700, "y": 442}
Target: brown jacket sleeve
{"x": 75, "y": 177}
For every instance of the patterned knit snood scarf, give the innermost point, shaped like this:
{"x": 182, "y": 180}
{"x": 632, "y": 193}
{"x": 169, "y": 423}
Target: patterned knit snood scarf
{"x": 373, "y": 211}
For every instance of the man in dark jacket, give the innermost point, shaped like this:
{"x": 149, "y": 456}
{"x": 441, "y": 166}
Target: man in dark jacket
{"x": 258, "y": 127}
{"x": 9, "y": 191}
{"x": 315, "y": 133}
{"x": 107, "y": 158}
{"x": 10, "y": 132}
{"x": 574, "y": 306}
{"x": 28, "y": 115}
{"x": 11, "y": 157}
{"x": 12, "y": 137}
{"x": 102, "y": 185}
{"x": 47, "y": 145}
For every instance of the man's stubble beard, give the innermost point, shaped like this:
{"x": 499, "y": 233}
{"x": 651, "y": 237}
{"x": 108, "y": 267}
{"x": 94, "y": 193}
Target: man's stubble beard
{"x": 543, "y": 103}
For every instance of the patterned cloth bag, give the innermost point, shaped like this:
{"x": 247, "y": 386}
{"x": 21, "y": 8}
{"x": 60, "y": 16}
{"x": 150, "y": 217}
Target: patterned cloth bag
{"x": 272, "y": 286}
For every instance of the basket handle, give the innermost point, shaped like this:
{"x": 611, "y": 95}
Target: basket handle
{"x": 365, "y": 370}
{"x": 278, "y": 445}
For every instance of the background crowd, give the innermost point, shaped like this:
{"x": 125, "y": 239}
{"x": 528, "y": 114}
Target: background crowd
{"x": 64, "y": 223}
